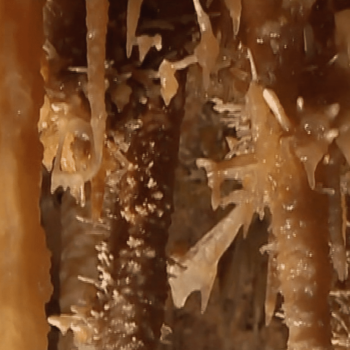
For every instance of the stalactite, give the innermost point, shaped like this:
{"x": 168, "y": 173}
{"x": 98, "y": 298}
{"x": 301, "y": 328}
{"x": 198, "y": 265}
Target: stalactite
{"x": 78, "y": 268}
{"x": 96, "y": 22}
{"x": 265, "y": 33}
{"x": 145, "y": 206}
{"x": 134, "y": 9}
{"x": 24, "y": 267}
{"x": 299, "y": 216}
{"x": 110, "y": 126}
{"x": 336, "y": 214}
{"x": 272, "y": 283}
{"x": 235, "y": 9}
{"x": 276, "y": 179}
